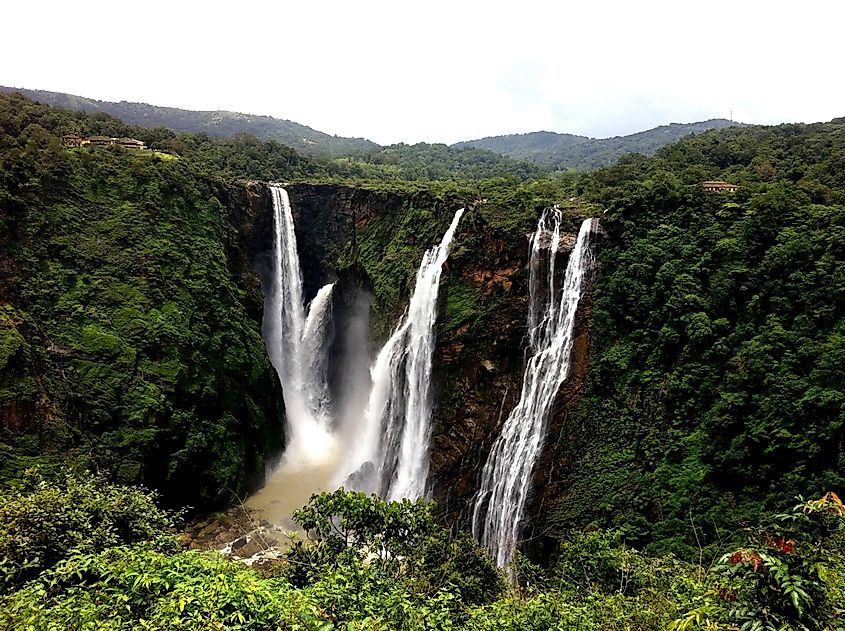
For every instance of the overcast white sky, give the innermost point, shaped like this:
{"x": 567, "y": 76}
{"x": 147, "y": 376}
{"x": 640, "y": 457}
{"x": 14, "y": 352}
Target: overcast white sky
{"x": 442, "y": 71}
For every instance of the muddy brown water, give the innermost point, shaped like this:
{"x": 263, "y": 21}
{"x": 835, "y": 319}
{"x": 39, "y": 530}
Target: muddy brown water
{"x": 289, "y": 488}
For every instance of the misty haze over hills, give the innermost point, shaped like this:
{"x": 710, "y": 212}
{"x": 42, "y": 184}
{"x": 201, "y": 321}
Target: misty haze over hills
{"x": 548, "y": 149}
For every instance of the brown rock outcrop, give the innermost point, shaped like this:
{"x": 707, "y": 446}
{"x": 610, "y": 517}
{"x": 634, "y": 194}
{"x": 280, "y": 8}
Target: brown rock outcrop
{"x": 485, "y": 385}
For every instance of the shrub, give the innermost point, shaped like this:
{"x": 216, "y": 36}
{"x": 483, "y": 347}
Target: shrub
{"x": 44, "y": 521}
{"x": 361, "y": 541}
{"x": 140, "y": 587}
{"x": 790, "y": 574}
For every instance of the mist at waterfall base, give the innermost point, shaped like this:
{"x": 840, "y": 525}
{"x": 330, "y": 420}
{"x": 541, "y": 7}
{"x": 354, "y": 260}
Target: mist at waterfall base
{"x": 507, "y": 473}
{"x": 369, "y": 434}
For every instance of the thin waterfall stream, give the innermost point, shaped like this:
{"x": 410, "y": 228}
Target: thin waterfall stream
{"x": 506, "y": 477}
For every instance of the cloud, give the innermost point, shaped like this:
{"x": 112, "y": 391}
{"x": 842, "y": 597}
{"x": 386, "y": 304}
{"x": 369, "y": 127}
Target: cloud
{"x": 442, "y": 71}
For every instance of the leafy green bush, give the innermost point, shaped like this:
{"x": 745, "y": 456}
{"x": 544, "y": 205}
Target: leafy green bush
{"x": 597, "y": 582}
{"x": 140, "y": 587}
{"x": 106, "y": 560}
{"x": 351, "y": 528}
{"x": 44, "y": 521}
{"x": 372, "y": 539}
{"x": 790, "y": 574}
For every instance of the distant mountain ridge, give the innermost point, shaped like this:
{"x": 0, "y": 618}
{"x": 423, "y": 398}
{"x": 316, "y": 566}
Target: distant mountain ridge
{"x": 214, "y": 123}
{"x": 544, "y": 148}
{"x": 569, "y": 151}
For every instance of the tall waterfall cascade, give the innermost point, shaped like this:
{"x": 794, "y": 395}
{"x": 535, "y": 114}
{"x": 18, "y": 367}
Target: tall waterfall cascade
{"x": 506, "y": 476}
{"x": 387, "y": 450}
{"x": 296, "y": 341}
{"x": 391, "y": 455}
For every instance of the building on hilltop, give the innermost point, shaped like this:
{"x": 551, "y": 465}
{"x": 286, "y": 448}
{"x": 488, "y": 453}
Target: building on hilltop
{"x": 131, "y": 143}
{"x": 717, "y": 186}
{"x": 72, "y": 140}
{"x": 128, "y": 143}
{"x": 99, "y": 141}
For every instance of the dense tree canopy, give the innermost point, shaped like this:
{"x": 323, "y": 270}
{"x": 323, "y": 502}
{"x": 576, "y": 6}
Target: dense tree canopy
{"x": 715, "y": 393}
{"x": 716, "y": 384}
{"x": 125, "y": 339}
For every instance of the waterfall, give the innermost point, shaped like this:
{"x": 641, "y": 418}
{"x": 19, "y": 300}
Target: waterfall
{"x": 390, "y": 456}
{"x": 296, "y": 341}
{"x": 506, "y": 476}
{"x": 388, "y": 451}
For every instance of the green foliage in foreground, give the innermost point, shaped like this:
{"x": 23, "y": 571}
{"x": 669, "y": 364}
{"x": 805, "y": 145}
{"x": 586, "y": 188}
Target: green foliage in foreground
{"x": 384, "y": 566}
{"x": 397, "y": 540}
{"x": 44, "y": 521}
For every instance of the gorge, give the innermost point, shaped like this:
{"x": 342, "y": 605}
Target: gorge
{"x": 382, "y": 447}
{"x": 153, "y": 307}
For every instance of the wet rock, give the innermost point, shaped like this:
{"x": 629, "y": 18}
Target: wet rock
{"x": 249, "y": 549}
{"x": 359, "y": 478}
{"x": 483, "y": 385}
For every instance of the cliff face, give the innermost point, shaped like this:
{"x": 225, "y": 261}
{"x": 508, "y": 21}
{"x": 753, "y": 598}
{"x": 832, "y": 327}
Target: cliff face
{"x": 481, "y": 383}
{"x": 478, "y": 367}
{"x": 372, "y": 242}
{"x": 550, "y": 484}
{"x": 16, "y": 414}
{"x": 249, "y": 209}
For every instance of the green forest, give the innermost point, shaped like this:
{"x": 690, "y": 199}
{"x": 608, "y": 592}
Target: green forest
{"x": 570, "y": 152}
{"x": 704, "y": 460}
{"x": 715, "y": 388}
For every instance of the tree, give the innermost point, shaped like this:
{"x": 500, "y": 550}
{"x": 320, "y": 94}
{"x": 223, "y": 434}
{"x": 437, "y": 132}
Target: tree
{"x": 400, "y": 540}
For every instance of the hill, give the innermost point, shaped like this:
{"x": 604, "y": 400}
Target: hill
{"x": 262, "y": 147}
{"x": 706, "y": 389}
{"x": 569, "y": 151}
{"x": 214, "y": 123}
{"x": 424, "y": 161}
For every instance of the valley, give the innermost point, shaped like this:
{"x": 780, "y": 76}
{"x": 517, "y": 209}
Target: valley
{"x": 613, "y": 384}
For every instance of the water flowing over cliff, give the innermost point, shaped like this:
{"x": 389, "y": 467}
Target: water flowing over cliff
{"x": 391, "y": 454}
{"x": 383, "y": 445}
{"x": 296, "y": 341}
{"x": 506, "y": 476}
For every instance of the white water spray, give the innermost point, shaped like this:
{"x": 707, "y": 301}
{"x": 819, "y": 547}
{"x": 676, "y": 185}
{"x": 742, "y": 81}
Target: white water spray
{"x": 506, "y": 477}
{"x": 387, "y": 451}
{"x": 391, "y": 454}
{"x": 296, "y": 339}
